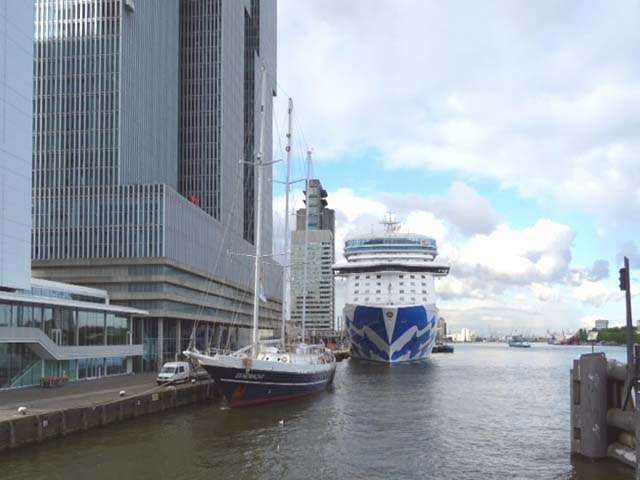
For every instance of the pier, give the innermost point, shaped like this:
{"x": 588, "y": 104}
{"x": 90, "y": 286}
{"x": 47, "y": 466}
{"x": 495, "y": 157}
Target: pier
{"x": 55, "y": 413}
{"x": 604, "y": 416}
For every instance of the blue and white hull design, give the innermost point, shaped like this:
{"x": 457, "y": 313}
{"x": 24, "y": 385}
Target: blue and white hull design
{"x": 391, "y": 333}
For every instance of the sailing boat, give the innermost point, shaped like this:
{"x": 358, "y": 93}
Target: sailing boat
{"x": 264, "y": 372}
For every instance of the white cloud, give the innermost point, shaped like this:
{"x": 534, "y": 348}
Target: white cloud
{"x": 595, "y": 293}
{"x": 545, "y": 293}
{"x": 542, "y": 97}
{"x": 462, "y": 207}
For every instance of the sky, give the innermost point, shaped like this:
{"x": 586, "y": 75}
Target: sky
{"x": 507, "y": 130}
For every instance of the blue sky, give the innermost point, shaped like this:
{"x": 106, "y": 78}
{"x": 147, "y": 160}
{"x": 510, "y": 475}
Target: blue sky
{"x": 509, "y": 130}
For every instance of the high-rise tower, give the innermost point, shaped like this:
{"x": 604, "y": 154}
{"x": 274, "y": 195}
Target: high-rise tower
{"x": 143, "y": 112}
{"x": 319, "y": 287}
{"x": 16, "y": 90}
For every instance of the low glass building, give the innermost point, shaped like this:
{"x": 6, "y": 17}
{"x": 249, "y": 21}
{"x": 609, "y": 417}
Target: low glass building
{"x": 65, "y": 332}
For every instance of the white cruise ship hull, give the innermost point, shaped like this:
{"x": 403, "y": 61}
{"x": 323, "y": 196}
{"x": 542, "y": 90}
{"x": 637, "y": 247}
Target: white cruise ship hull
{"x": 391, "y": 334}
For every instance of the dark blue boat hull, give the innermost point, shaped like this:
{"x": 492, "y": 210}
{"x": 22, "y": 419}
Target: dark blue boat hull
{"x": 244, "y": 388}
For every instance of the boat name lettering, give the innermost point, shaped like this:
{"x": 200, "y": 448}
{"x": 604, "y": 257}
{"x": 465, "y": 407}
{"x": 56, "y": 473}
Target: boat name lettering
{"x": 250, "y": 376}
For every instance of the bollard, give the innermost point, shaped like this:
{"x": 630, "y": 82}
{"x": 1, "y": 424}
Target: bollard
{"x": 593, "y": 405}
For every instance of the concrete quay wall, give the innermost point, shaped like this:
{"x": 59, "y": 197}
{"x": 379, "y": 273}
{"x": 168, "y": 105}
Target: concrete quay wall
{"x": 34, "y": 428}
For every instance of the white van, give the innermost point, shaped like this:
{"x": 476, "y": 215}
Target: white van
{"x": 175, "y": 372}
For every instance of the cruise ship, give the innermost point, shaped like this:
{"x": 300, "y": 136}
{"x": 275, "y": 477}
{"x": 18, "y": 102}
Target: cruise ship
{"x": 390, "y": 312}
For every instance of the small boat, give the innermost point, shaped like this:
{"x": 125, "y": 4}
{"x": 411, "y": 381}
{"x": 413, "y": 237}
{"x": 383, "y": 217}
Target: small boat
{"x": 442, "y": 348}
{"x": 519, "y": 342}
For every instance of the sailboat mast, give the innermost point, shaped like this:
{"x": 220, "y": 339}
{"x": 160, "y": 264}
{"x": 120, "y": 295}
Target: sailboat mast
{"x": 305, "y": 290}
{"x": 258, "y": 165}
{"x": 287, "y": 233}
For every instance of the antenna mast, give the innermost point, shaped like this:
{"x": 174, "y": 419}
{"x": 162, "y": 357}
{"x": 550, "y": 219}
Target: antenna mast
{"x": 258, "y": 165}
{"x": 305, "y": 290}
{"x": 287, "y": 233}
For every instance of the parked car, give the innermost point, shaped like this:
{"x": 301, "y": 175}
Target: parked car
{"x": 176, "y": 372}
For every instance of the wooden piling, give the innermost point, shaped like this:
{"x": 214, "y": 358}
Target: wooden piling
{"x": 593, "y": 405}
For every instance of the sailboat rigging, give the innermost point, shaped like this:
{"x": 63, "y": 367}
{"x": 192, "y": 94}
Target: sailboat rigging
{"x": 266, "y": 371}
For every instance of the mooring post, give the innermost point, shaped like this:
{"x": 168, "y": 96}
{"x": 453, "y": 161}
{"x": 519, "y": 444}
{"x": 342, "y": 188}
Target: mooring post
{"x": 636, "y": 351}
{"x": 637, "y": 432}
{"x": 574, "y": 398}
{"x": 593, "y": 405}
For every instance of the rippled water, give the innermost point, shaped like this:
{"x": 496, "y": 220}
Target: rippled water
{"x": 487, "y": 411}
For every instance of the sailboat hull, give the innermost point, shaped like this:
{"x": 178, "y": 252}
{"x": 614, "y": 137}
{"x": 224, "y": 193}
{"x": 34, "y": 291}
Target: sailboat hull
{"x": 242, "y": 387}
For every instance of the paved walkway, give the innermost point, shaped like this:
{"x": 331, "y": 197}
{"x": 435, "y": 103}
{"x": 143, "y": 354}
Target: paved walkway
{"x": 75, "y": 394}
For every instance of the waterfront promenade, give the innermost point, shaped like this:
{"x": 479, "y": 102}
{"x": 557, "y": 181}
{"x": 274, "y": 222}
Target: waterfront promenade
{"x": 74, "y": 395}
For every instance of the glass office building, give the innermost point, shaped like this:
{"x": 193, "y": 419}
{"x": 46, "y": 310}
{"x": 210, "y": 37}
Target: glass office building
{"x": 142, "y": 111}
{"x": 61, "y": 330}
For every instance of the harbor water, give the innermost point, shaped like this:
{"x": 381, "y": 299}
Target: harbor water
{"x": 486, "y": 411}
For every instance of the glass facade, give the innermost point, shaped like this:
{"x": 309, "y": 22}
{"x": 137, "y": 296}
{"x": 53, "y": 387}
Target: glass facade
{"x": 68, "y": 326}
{"x": 251, "y": 52}
{"x": 19, "y": 366}
{"x": 200, "y": 109}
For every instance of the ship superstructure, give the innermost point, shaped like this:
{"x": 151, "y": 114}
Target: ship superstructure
{"x": 390, "y": 313}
